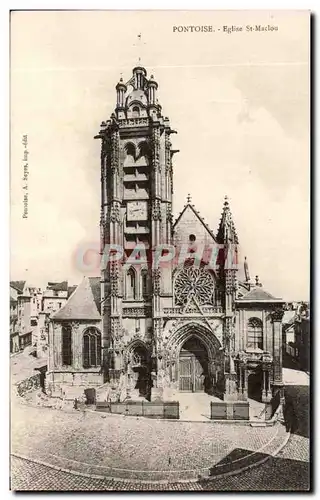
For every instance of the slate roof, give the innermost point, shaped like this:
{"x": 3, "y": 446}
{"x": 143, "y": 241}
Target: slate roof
{"x": 84, "y": 303}
{"x": 18, "y": 285}
{"x": 58, "y": 287}
{"x": 71, "y": 289}
{"x": 257, "y": 294}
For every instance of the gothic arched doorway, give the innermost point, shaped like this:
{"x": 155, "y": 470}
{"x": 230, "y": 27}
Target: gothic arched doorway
{"x": 193, "y": 366}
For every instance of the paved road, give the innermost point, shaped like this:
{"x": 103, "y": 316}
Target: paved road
{"x": 275, "y": 475}
{"x": 288, "y": 471}
{"x": 129, "y": 447}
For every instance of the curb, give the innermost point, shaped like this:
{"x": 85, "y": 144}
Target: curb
{"x": 197, "y": 479}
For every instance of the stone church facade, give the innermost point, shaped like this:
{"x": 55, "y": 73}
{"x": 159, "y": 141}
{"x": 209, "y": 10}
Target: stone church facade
{"x": 171, "y": 311}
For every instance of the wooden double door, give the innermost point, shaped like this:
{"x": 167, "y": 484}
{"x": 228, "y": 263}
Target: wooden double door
{"x": 193, "y": 367}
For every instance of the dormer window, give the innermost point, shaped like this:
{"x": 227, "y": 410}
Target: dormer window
{"x": 135, "y": 112}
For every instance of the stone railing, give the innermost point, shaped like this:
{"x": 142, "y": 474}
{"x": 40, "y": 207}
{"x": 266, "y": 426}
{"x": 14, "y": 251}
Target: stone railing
{"x": 133, "y": 122}
{"x": 207, "y": 310}
{"x": 133, "y": 312}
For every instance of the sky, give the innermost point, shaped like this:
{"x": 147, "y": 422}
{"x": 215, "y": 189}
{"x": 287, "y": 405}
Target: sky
{"x": 240, "y": 105}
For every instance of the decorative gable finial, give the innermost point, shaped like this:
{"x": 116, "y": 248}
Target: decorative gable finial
{"x": 189, "y": 198}
{"x": 226, "y": 230}
{"x": 257, "y": 281}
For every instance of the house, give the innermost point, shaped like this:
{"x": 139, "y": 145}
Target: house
{"x": 23, "y": 310}
{"x": 55, "y": 296}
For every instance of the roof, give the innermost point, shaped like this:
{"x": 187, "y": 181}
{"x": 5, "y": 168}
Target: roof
{"x": 198, "y": 216}
{"x": 59, "y": 287}
{"x": 71, "y": 289}
{"x": 258, "y": 294}
{"x": 84, "y": 303}
{"x": 18, "y": 285}
{"x": 288, "y": 317}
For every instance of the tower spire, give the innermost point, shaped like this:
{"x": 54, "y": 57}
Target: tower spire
{"x": 139, "y": 43}
{"x": 227, "y": 231}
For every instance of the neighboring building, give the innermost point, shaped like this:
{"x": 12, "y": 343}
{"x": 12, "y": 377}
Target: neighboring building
{"x": 14, "y": 334}
{"x": 35, "y": 305}
{"x": 302, "y": 336}
{"x": 296, "y": 335}
{"x": 23, "y": 324}
{"x": 54, "y": 297}
{"x": 177, "y": 326}
{"x": 288, "y": 326}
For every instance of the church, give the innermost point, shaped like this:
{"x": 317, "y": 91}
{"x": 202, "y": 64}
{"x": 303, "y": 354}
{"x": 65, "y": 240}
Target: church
{"x": 156, "y": 323}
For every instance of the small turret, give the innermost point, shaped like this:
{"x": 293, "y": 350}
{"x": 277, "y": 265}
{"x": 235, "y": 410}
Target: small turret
{"x": 121, "y": 89}
{"x": 140, "y": 74}
{"x": 152, "y": 90}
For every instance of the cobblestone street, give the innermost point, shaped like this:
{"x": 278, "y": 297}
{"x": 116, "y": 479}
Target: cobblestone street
{"x": 275, "y": 475}
{"x": 148, "y": 444}
{"x": 129, "y": 447}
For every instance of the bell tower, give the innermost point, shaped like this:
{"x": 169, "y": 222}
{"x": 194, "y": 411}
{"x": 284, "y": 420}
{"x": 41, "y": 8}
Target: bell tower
{"x": 136, "y": 214}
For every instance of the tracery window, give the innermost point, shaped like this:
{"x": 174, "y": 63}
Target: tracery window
{"x": 255, "y": 333}
{"x": 66, "y": 345}
{"x": 91, "y": 348}
{"x": 138, "y": 356}
{"x": 194, "y": 284}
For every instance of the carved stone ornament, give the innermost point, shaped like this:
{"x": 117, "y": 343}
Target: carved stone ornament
{"x": 75, "y": 325}
{"x": 115, "y": 154}
{"x": 169, "y": 212}
{"x": 156, "y": 210}
{"x": 230, "y": 281}
{"x": 277, "y": 315}
{"x": 115, "y": 213}
{"x": 168, "y": 153}
{"x": 156, "y": 275}
{"x": 156, "y": 148}
{"x": 116, "y": 332}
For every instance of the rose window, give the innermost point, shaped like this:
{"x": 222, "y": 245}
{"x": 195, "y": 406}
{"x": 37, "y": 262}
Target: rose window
{"x": 194, "y": 284}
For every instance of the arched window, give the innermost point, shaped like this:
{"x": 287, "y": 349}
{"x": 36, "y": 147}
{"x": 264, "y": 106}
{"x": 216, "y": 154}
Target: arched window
{"x": 144, "y": 283}
{"x": 130, "y": 151}
{"x": 135, "y": 112}
{"x": 91, "y": 348}
{"x": 66, "y": 345}
{"x": 138, "y": 356}
{"x": 255, "y": 333}
{"x": 131, "y": 284}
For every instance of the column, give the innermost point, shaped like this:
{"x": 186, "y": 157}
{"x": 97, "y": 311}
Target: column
{"x": 268, "y": 388}
{"x": 245, "y": 383}
{"x": 241, "y": 382}
{"x": 264, "y": 393}
{"x": 276, "y": 316}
